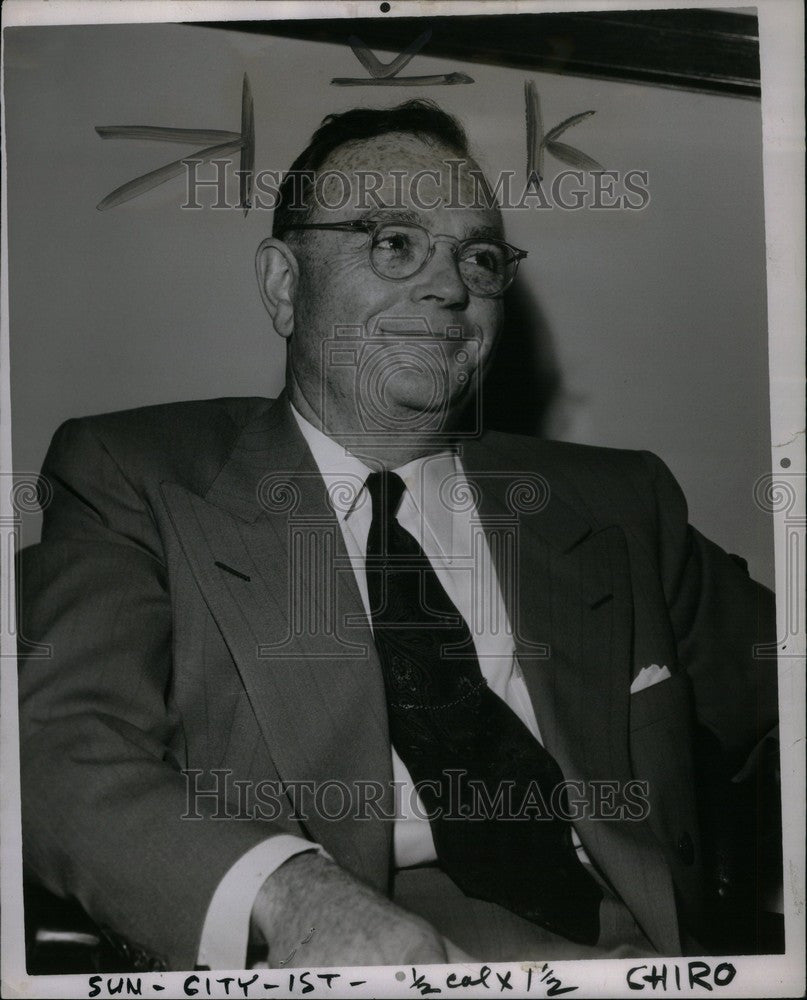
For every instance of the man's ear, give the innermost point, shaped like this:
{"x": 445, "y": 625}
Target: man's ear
{"x": 277, "y": 271}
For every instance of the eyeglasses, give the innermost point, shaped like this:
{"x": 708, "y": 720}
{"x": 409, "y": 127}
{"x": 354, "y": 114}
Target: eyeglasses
{"x": 400, "y": 250}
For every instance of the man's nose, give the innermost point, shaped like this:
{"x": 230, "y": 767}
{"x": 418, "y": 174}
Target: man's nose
{"x": 440, "y": 279}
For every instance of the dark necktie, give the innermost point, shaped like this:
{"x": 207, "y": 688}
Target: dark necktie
{"x": 475, "y": 764}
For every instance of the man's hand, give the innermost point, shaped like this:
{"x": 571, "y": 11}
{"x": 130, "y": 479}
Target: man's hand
{"x": 352, "y": 924}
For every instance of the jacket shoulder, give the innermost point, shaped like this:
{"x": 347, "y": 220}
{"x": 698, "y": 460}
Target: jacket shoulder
{"x": 565, "y": 458}
{"x": 186, "y": 442}
{"x": 606, "y": 485}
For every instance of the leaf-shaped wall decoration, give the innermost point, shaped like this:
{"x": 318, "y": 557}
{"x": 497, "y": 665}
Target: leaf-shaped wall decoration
{"x": 574, "y": 157}
{"x": 218, "y": 143}
{"x": 538, "y": 143}
{"x": 558, "y": 130}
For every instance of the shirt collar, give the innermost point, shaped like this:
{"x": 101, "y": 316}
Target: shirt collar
{"x": 428, "y": 476}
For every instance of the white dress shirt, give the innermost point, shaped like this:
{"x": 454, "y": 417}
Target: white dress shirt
{"x": 437, "y": 509}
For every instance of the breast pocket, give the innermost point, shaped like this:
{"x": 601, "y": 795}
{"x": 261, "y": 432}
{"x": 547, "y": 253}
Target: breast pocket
{"x": 668, "y": 700}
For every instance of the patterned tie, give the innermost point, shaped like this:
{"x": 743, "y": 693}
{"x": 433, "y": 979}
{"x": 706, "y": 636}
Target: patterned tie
{"x": 491, "y": 789}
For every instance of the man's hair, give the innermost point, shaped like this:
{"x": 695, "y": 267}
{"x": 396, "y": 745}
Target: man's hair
{"x": 421, "y": 118}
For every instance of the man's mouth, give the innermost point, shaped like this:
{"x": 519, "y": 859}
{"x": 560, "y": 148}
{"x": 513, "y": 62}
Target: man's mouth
{"x": 416, "y": 326}
{"x": 403, "y": 326}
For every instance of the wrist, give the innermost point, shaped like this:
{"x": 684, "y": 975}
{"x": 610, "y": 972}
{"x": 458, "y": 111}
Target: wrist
{"x": 273, "y": 903}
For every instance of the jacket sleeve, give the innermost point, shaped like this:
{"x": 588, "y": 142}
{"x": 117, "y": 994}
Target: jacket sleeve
{"x": 720, "y": 617}
{"x": 103, "y": 799}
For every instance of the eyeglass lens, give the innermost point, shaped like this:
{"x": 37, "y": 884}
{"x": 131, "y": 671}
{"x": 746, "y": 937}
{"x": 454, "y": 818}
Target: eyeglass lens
{"x": 398, "y": 250}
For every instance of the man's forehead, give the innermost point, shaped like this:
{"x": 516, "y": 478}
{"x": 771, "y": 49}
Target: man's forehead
{"x": 392, "y": 151}
{"x": 411, "y": 175}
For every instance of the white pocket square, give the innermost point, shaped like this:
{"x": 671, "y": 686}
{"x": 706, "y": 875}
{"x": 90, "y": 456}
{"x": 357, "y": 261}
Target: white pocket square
{"x": 648, "y": 676}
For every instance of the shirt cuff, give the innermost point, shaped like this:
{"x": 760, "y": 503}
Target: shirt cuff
{"x": 225, "y": 934}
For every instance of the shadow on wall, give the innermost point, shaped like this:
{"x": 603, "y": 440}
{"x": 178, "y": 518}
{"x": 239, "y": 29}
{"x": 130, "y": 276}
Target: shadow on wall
{"x": 524, "y": 381}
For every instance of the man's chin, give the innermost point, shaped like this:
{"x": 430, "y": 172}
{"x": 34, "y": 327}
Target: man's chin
{"x": 417, "y": 410}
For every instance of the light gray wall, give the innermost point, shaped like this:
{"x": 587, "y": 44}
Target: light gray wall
{"x": 652, "y": 322}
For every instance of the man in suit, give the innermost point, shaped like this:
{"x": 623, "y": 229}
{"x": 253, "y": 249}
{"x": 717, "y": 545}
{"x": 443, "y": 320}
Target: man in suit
{"x": 283, "y": 632}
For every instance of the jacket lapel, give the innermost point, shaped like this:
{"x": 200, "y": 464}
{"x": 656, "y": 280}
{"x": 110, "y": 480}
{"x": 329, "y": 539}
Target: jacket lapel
{"x": 268, "y": 555}
{"x": 567, "y": 589}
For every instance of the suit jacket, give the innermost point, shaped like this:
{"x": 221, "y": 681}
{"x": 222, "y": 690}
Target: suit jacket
{"x": 189, "y": 607}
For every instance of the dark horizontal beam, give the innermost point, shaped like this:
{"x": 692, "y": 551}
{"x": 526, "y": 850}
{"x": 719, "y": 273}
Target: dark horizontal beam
{"x": 704, "y": 50}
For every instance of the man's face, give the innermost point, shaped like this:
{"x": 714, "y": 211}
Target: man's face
{"x": 409, "y": 374}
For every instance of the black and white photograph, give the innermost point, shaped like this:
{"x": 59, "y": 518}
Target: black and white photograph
{"x": 402, "y": 488}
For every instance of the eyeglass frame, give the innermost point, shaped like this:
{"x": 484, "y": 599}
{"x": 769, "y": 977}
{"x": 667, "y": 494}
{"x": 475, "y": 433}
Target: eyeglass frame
{"x": 370, "y": 228}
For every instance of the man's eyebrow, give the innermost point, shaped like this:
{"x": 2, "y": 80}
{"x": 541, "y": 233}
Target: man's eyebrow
{"x": 390, "y": 214}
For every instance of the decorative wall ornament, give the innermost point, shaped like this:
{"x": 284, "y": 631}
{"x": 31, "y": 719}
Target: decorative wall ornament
{"x": 219, "y": 143}
{"x": 386, "y": 74}
{"x": 539, "y": 143}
